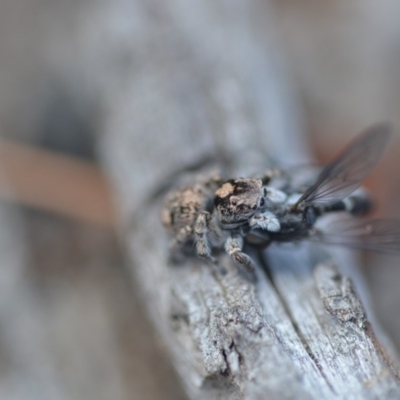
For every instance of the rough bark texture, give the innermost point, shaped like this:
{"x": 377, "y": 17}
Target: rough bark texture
{"x": 206, "y": 80}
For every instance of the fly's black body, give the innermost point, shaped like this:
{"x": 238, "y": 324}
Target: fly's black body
{"x": 279, "y": 208}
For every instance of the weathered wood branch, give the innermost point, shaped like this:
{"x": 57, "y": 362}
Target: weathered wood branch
{"x": 205, "y": 81}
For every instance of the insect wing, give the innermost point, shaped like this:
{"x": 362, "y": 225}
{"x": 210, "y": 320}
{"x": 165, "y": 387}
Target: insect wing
{"x": 344, "y": 175}
{"x": 379, "y": 235}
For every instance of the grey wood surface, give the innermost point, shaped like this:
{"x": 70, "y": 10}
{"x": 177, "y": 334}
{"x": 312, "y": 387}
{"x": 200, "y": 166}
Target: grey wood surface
{"x": 207, "y": 80}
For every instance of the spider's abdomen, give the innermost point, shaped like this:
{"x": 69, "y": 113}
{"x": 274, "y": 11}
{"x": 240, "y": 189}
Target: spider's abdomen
{"x": 182, "y": 206}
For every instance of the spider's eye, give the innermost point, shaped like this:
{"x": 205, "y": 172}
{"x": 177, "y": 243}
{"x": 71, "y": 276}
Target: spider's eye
{"x": 234, "y": 200}
{"x": 262, "y": 201}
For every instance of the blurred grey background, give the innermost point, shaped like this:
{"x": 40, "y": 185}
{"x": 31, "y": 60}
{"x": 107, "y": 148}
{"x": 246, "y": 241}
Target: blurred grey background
{"x": 70, "y": 324}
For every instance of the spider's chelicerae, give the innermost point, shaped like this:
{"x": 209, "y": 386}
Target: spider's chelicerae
{"x": 216, "y": 214}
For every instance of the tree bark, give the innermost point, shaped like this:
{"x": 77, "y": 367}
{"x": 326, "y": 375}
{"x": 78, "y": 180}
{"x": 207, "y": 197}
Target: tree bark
{"x": 206, "y": 81}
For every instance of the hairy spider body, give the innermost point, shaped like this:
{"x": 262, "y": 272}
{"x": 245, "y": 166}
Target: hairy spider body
{"x": 219, "y": 218}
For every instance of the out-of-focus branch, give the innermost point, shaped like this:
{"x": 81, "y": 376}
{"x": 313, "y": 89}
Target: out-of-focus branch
{"x": 55, "y": 183}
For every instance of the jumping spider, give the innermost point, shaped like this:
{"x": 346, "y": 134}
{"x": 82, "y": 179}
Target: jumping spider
{"x": 219, "y": 214}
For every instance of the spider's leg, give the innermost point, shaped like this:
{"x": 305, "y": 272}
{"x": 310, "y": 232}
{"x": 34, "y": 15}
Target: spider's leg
{"x": 272, "y": 173}
{"x": 201, "y": 229}
{"x": 234, "y": 246}
{"x": 214, "y": 179}
{"x": 266, "y": 220}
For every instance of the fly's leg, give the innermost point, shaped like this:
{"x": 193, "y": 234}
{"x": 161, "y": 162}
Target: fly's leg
{"x": 234, "y": 246}
{"x": 266, "y": 220}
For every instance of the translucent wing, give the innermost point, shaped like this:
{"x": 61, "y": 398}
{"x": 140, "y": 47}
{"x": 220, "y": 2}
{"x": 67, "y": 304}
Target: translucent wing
{"x": 345, "y": 174}
{"x": 379, "y": 235}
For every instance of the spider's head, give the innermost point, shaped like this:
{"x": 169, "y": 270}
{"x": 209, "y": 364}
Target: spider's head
{"x": 236, "y": 200}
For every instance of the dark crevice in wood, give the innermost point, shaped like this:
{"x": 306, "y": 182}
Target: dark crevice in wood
{"x": 227, "y": 372}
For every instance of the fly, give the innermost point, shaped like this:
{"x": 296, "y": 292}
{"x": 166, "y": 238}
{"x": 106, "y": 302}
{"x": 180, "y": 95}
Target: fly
{"x": 335, "y": 190}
